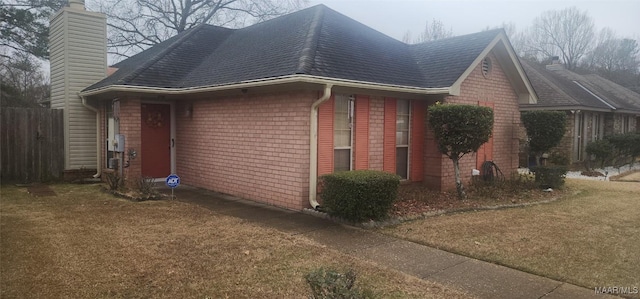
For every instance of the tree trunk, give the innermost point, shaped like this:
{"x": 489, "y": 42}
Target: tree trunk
{"x": 459, "y": 187}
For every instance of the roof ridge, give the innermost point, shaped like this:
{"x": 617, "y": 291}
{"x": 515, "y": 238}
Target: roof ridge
{"x": 308, "y": 53}
{"x": 137, "y": 71}
{"x": 457, "y": 37}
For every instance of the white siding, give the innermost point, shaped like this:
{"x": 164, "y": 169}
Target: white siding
{"x": 78, "y": 59}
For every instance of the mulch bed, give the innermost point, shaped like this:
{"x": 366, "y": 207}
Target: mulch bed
{"x": 417, "y": 199}
{"x": 40, "y": 190}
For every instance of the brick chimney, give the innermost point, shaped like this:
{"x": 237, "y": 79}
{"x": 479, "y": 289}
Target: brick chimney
{"x": 78, "y": 57}
{"x": 555, "y": 64}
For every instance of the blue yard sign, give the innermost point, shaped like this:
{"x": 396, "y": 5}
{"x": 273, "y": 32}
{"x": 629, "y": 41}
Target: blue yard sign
{"x": 173, "y": 181}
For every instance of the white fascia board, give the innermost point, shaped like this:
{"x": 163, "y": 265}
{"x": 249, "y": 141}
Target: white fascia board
{"x": 271, "y": 81}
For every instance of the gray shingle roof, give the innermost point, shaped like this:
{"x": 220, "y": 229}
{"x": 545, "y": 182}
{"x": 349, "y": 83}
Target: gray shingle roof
{"x": 560, "y": 87}
{"x": 442, "y": 62}
{"x": 315, "y": 41}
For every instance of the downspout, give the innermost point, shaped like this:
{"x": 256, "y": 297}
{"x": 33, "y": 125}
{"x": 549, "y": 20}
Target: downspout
{"x": 313, "y": 150}
{"x": 86, "y": 105}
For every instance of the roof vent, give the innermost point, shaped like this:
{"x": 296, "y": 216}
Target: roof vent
{"x": 486, "y": 66}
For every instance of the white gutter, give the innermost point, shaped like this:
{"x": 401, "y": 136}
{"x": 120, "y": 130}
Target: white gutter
{"x": 269, "y": 82}
{"x": 313, "y": 146}
{"x": 98, "y": 168}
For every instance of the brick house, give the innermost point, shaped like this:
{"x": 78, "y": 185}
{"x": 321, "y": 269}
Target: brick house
{"x": 261, "y": 112}
{"x": 595, "y": 106}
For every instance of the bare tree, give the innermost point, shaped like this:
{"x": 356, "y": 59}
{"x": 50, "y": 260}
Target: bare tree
{"x": 516, "y": 38}
{"x": 406, "y": 38}
{"x": 135, "y": 25}
{"x": 567, "y": 33}
{"x": 615, "y": 58}
{"x": 434, "y": 31}
{"x": 601, "y": 56}
{"x": 613, "y": 53}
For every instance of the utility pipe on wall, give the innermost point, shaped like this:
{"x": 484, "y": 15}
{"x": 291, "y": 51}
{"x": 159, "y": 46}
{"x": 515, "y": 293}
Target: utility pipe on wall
{"x": 313, "y": 146}
{"x": 98, "y": 148}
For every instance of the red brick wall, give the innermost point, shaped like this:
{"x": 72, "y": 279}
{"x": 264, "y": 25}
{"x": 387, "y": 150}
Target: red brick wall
{"x": 497, "y": 89}
{"x": 376, "y": 133}
{"x": 255, "y": 147}
{"x": 130, "y": 127}
{"x": 416, "y": 164}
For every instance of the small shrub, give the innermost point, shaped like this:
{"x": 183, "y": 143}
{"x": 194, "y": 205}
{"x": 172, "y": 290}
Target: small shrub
{"x": 145, "y": 186}
{"x": 359, "y": 195}
{"x": 601, "y": 150}
{"x": 331, "y": 284}
{"x": 114, "y": 181}
{"x": 550, "y": 176}
{"x": 557, "y": 158}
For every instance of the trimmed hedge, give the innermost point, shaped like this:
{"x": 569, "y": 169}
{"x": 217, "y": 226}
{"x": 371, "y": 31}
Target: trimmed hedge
{"x": 550, "y": 176}
{"x": 359, "y": 195}
{"x": 617, "y": 150}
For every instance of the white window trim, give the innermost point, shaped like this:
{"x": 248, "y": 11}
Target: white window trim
{"x": 408, "y": 145}
{"x": 350, "y": 114}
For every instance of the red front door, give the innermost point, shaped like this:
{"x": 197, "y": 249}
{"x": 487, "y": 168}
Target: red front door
{"x": 156, "y": 140}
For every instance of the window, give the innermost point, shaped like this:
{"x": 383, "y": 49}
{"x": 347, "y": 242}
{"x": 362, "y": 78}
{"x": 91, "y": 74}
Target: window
{"x": 342, "y": 133}
{"x": 402, "y": 138}
{"x": 597, "y": 127}
{"x": 626, "y": 124}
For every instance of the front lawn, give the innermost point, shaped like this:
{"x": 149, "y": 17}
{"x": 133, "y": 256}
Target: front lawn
{"x": 84, "y": 243}
{"x": 591, "y": 237}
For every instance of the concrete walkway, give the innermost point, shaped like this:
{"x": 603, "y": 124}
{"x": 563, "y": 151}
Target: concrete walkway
{"x": 477, "y": 278}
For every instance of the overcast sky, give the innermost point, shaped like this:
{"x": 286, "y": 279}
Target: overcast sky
{"x": 395, "y": 17}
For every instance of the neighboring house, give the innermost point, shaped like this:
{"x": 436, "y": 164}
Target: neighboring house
{"x": 261, "y": 112}
{"x": 595, "y": 107}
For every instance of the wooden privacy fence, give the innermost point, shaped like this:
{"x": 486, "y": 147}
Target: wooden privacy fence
{"x": 31, "y": 144}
